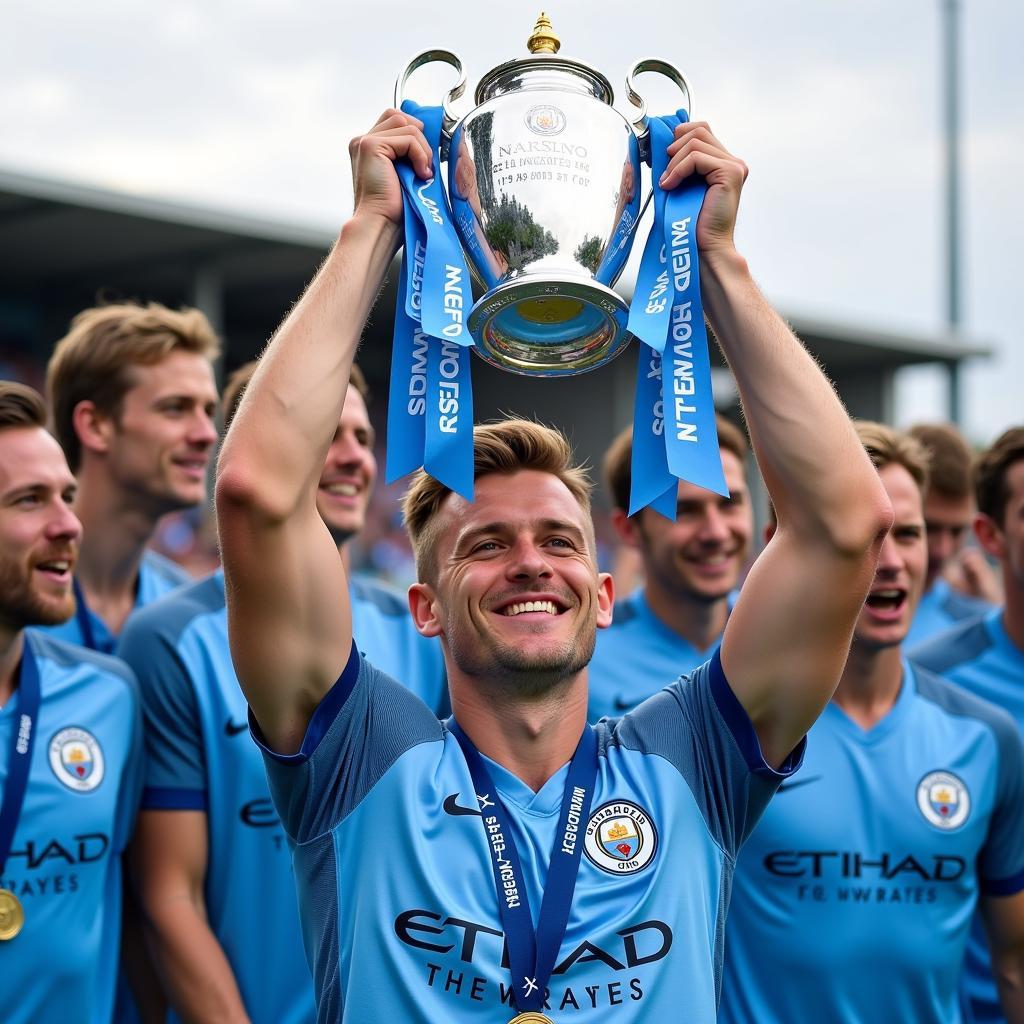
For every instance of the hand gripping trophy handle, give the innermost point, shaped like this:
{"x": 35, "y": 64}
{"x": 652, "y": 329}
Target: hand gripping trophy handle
{"x": 433, "y": 57}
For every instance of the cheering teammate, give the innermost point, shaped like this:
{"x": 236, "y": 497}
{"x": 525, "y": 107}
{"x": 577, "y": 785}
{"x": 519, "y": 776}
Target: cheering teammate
{"x": 691, "y": 566}
{"x": 406, "y": 829}
{"x": 853, "y": 895}
{"x": 948, "y": 513}
{"x": 208, "y": 837}
{"x": 132, "y": 396}
{"x": 986, "y": 656}
{"x": 70, "y": 749}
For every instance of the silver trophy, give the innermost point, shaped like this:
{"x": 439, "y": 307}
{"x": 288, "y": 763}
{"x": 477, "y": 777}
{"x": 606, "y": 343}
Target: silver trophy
{"x": 544, "y": 186}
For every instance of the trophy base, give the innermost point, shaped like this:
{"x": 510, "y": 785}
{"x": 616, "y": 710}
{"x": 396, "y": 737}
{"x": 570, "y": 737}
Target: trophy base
{"x": 550, "y": 326}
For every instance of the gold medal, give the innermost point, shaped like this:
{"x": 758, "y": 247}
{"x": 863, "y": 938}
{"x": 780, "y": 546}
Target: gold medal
{"x": 12, "y": 915}
{"x": 531, "y": 1018}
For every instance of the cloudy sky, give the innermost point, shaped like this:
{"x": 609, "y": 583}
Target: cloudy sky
{"x": 836, "y": 107}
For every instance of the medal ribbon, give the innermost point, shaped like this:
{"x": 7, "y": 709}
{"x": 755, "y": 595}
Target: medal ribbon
{"x": 430, "y": 411}
{"x": 674, "y": 432}
{"x": 19, "y": 759}
{"x": 532, "y": 953}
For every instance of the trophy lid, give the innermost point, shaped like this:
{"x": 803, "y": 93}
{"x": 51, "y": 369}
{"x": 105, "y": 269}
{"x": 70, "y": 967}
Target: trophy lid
{"x": 544, "y": 70}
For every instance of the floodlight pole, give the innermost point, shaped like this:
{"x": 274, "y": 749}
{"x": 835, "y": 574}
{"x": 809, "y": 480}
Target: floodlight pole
{"x": 951, "y": 105}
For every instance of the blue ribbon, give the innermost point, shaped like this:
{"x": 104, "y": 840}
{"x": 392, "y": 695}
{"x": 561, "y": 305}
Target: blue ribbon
{"x": 691, "y": 435}
{"x": 19, "y": 759}
{"x": 651, "y": 482}
{"x": 675, "y": 438}
{"x": 430, "y": 409}
{"x": 532, "y": 952}
{"x": 407, "y": 392}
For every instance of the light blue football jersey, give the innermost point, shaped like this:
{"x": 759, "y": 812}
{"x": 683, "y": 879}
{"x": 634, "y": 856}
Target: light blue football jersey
{"x": 65, "y": 860}
{"x": 979, "y": 656}
{"x": 636, "y": 656}
{"x": 853, "y": 898}
{"x": 399, "y": 911}
{"x": 939, "y": 609}
{"x": 201, "y": 758}
{"x": 157, "y": 576}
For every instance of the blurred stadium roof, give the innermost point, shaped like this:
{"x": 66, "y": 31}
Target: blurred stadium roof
{"x": 63, "y": 246}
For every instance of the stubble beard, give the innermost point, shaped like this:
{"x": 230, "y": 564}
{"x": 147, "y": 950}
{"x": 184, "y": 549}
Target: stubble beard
{"x": 20, "y": 606}
{"x": 509, "y": 671}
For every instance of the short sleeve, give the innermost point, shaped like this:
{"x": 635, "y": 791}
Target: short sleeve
{"x": 175, "y": 773}
{"x": 1001, "y": 863}
{"x": 700, "y": 727}
{"x": 360, "y": 729}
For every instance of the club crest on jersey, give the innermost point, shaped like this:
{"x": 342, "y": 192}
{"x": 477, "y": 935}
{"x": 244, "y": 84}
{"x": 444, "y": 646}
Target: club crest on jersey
{"x": 620, "y": 838}
{"x": 76, "y": 759}
{"x": 943, "y": 799}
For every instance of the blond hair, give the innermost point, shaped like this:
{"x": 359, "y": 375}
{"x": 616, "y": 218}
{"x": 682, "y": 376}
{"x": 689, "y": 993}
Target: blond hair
{"x": 94, "y": 360}
{"x": 886, "y": 446}
{"x": 20, "y": 406}
{"x": 504, "y": 447}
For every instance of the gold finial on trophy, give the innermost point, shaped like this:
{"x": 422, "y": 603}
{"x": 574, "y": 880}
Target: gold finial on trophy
{"x": 543, "y": 39}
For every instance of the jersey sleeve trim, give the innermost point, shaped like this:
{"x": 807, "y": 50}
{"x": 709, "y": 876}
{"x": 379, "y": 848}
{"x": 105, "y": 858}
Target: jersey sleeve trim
{"x": 1003, "y": 886}
{"x": 736, "y": 718}
{"x": 162, "y": 798}
{"x": 322, "y": 719}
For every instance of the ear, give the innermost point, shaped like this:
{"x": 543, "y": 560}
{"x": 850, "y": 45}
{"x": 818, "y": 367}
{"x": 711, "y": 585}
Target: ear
{"x": 423, "y": 606}
{"x": 605, "y": 599}
{"x": 990, "y": 535}
{"x": 94, "y": 428}
{"x": 628, "y": 528}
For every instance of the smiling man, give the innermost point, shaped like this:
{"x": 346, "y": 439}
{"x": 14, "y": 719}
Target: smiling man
{"x": 208, "y": 834}
{"x": 986, "y": 656}
{"x": 853, "y": 896}
{"x": 70, "y": 748}
{"x": 132, "y": 398}
{"x": 425, "y": 850}
{"x": 691, "y": 566}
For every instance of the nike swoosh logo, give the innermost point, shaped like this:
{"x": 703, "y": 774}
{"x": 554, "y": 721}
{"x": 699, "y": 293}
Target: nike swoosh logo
{"x": 455, "y": 809}
{"x": 622, "y": 704}
{"x": 787, "y": 786}
{"x": 232, "y": 728}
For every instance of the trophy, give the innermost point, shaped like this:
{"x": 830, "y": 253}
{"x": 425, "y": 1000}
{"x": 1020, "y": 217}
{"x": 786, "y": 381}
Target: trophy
{"x": 541, "y": 205}
{"x": 544, "y": 191}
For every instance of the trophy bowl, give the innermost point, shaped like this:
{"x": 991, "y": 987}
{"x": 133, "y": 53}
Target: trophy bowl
{"x": 544, "y": 187}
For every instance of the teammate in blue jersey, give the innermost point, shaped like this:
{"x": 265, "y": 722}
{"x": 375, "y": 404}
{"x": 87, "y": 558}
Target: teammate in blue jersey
{"x": 423, "y": 848}
{"x": 70, "y": 749}
{"x": 948, "y": 513}
{"x": 853, "y": 896}
{"x": 132, "y": 398}
{"x": 691, "y": 567}
{"x": 986, "y": 656}
{"x": 208, "y": 830}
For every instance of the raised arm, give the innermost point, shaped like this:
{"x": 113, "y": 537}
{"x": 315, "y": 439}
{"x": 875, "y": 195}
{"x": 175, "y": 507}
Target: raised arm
{"x": 789, "y": 634}
{"x": 288, "y": 605}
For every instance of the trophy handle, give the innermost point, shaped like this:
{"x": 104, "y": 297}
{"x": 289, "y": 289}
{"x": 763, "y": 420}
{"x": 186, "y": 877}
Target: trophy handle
{"x": 663, "y": 67}
{"x": 430, "y": 57}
